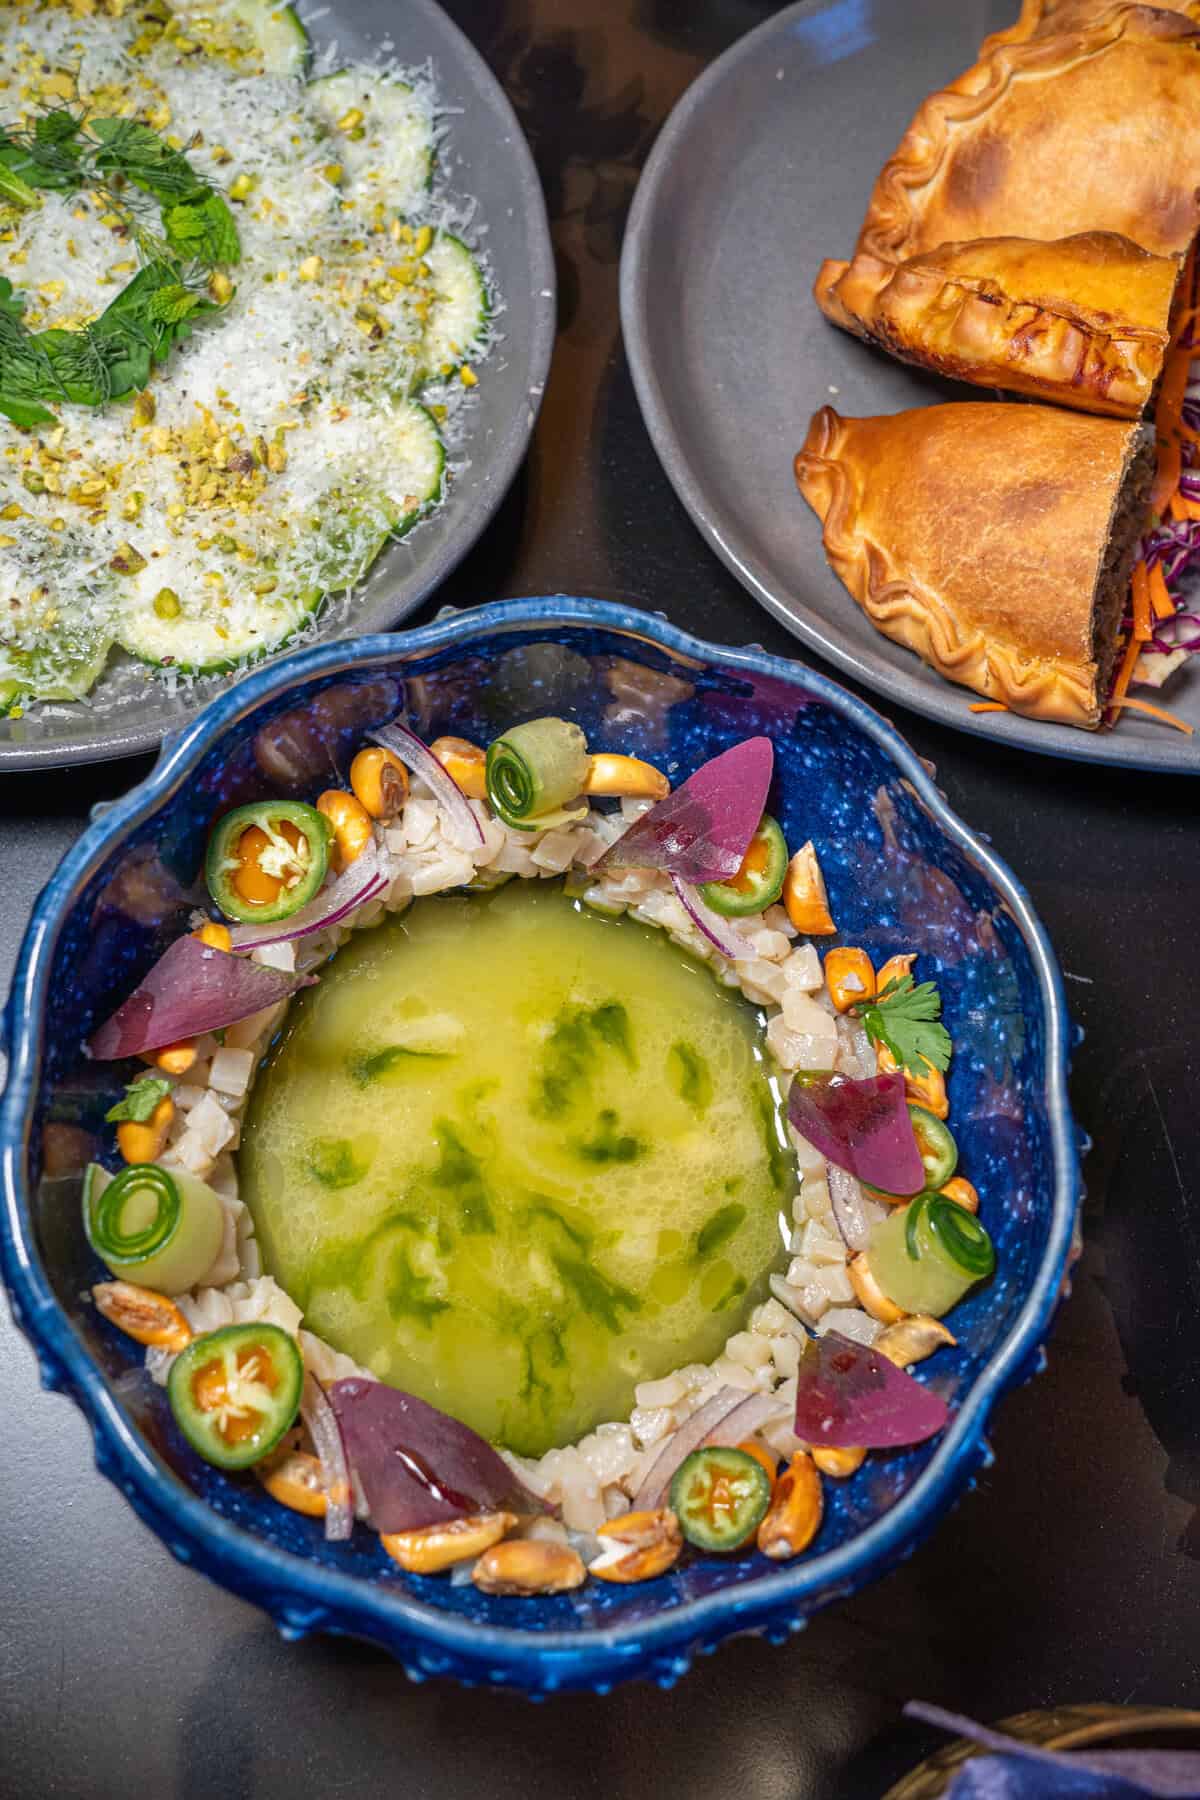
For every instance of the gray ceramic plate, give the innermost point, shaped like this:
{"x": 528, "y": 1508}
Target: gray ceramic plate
{"x": 763, "y": 169}
{"x": 486, "y": 157}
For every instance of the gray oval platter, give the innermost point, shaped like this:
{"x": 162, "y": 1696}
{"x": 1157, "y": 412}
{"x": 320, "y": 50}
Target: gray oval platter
{"x": 763, "y": 169}
{"x": 485, "y": 157}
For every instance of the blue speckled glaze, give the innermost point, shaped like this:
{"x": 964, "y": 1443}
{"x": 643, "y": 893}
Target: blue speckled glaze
{"x": 903, "y": 873}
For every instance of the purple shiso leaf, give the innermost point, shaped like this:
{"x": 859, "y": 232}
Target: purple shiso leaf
{"x": 418, "y": 1466}
{"x": 862, "y": 1126}
{"x": 1020, "y": 1771}
{"x": 702, "y": 831}
{"x": 849, "y": 1396}
{"x": 191, "y": 989}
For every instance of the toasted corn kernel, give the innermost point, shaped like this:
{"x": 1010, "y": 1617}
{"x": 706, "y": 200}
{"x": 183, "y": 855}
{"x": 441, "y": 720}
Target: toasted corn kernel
{"x": 638, "y": 1546}
{"x": 220, "y": 287}
{"x": 380, "y": 782}
{"x": 838, "y": 1462}
{"x": 143, "y": 1315}
{"x": 894, "y": 969}
{"x": 913, "y": 1339}
{"x": 627, "y": 775}
{"x": 849, "y": 977}
{"x": 145, "y": 1143}
{"x": 215, "y": 936}
{"x": 804, "y": 896}
{"x": 794, "y": 1516}
{"x": 962, "y": 1192}
{"x": 176, "y": 1059}
{"x": 928, "y": 1089}
{"x": 144, "y": 407}
{"x": 438, "y": 1547}
{"x": 465, "y": 763}
{"x": 295, "y": 1480}
{"x": 351, "y": 824}
{"x": 870, "y": 1294}
{"x": 528, "y": 1566}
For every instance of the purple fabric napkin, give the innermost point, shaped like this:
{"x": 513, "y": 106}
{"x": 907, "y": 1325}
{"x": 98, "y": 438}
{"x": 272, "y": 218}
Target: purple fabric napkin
{"x": 1016, "y": 1771}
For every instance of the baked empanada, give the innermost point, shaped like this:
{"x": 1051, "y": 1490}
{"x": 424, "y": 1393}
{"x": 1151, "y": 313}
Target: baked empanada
{"x": 1091, "y": 128}
{"x": 1082, "y": 320}
{"x": 1040, "y": 16}
{"x": 996, "y": 541}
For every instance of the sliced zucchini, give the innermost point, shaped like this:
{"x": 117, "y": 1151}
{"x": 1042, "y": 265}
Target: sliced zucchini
{"x": 206, "y": 638}
{"x": 388, "y": 143}
{"x": 267, "y": 27}
{"x": 57, "y": 630}
{"x": 458, "y": 319}
{"x": 416, "y": 469}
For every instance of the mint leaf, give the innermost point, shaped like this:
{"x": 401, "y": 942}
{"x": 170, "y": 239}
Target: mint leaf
{"x": 203, "y": 229}
{"x": 141, "y": 1098}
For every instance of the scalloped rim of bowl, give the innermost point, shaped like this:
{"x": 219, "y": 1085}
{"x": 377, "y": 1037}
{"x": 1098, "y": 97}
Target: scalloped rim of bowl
{"x": 303, "y": 1596}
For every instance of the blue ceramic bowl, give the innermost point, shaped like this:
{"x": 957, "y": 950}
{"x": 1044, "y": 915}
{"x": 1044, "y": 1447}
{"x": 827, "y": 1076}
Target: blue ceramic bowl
{"x": 903, "y": 873}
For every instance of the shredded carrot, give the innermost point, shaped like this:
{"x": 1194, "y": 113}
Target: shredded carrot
{"x": 1160, "y": 593}
{"x": 987, "y": 706}
{"x": 1188, "y": 509}
{"x": 1142, "y": 628}
{"x": 1133, "y": 650}
{"x": 1166, "y": 475}
{"x": 1155, "y": 712}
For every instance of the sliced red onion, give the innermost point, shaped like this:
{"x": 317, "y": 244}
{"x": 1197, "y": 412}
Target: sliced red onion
{"x": 417, "y": 1466}
{"x": 191, "y": 989}
{"x": 702, "y": 831}
{"x": 364, "y": 880}
{"x": 652, "y": 1492}
{"x": 420, "y": 759}
{"x": 861, "y": 1126}
{"x": 751, "y": 1413}
{"x": 719, "y": 932}
{"x": 849, "y": 1395}
{"x": 318, "y": 1415}
{"x": 855, "y": 1216}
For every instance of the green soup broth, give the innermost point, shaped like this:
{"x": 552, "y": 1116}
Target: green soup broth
{"x": 516, "y": 1157}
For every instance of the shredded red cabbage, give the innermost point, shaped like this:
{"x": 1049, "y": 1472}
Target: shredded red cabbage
{"x": 850, "y": 1396}
{"x": 418, "y": 1466}
{"x": 862, "y": 1126}
{"x": 191, "y": 989}
{"x": 702, "y": 831}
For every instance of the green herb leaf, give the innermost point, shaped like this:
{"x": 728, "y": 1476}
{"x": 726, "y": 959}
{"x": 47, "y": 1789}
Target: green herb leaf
{"x": 141, "y": 1098}
{"x": 203, "y": 229}
{"x": 14, "y": 190}
{"x": 905, "y": 1019}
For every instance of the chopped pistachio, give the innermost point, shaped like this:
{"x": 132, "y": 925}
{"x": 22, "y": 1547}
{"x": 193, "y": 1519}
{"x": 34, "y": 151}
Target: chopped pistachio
{"x": 126, "y": 560}
{"x": 166, "y": 603}
{"x": 144, "y": 408}
{"x": 33, "y": 481}
{"x": 310, "y": 269}
{"x": 242, "y": 186}
{"x": 220, "y": 287}
{"x": 468, "y": 377}
{"x": 350, "y": 119}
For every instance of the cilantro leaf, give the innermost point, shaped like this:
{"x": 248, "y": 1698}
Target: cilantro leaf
{"x": 141, "y": 1098}
{"x": 905, "y": 1019}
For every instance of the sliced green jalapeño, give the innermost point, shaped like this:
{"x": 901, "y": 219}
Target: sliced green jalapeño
{"x": 759, "y": 881}
{"x": 935, "y": 1142}
{"x": 234, "y": 1392}
{"x": 720, "y": 1497}
{"x": 267, "y": 860}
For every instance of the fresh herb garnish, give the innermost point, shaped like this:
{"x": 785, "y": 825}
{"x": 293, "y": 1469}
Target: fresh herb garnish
{"x": 106, "y": 359}
{"x": 141, "y": 1098}
{"x": 905, "y": 1019}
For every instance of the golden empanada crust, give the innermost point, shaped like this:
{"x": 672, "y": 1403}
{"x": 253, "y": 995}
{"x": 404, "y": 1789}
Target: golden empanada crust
{"x": 1094, "y": 127}
{"x": 975, "y": 535}
{"x": 1084, "y": 320}
{"x": 1041, "y": 16}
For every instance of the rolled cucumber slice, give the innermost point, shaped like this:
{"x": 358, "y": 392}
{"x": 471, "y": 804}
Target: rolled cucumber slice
{"x": 389, "y": 144}
{"x": 458, "y": 319}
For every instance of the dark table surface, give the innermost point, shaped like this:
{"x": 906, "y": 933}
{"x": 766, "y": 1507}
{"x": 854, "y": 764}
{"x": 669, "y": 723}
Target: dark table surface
{"x": 1069, "y": 1574}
